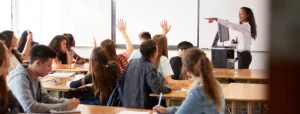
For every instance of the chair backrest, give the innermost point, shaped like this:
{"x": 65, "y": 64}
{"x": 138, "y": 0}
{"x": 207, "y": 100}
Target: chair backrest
{"x": 116, "y": 97}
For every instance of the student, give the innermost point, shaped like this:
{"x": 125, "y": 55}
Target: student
{"x": 3, "y": 38}
{"x": 8, "y": 102}
{"x": 23, "y": 41}
{"x": 144, "y": 36}
{"x": 70, "y": 44}
{"x": 176, "y": 62}
{"x": 26, "y": 85}
{"x": 103, "y": 74}
{"x": 205, "y": 95}
{"x": 247, "y": 29}
{"x": 139, "y": 79}
{"x": 63, "y": 59}
{"x": 162, "y": 64}
{"x": 15, "y": 57}
{"x": 110, "y": 47}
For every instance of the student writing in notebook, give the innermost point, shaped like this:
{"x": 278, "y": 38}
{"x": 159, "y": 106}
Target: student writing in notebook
{"x": 176, "y": 62}
{"x": 247, "y": 30}
{"x": 144, "y": 36}
{"x": 139, "y": 79}
{"x": 70, "y": 44}
{"x": 63, "y": 60}
{"x": 16, "y": 58}
{"x": 205, "y": 95}
{"x": 103, "y": 74}
{"x": 27, "y": 88}
{"x": 8, "y": 102}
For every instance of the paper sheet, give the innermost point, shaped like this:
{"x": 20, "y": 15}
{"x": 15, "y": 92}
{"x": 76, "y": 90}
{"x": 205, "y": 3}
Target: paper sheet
{"x": 62, "y": 74}
{"x": 133, "y": 112}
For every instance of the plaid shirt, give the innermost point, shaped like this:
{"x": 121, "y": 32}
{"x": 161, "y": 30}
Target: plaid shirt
{"x": 123, "y": 61}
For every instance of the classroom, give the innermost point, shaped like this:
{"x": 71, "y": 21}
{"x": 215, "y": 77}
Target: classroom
{"x": 149, "y": 56}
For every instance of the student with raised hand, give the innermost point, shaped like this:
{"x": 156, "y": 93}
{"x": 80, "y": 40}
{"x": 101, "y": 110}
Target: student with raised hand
{"x": 70, "y": 44}
{"x": 8, "y": 102}
{"x": 23, "y": 40}
{"x": 26, "y": 85}
{"x": 63, "y": 59}
{"x": 139, "y": 79}
{"x": 176, "y": 62}
{"x": 162, "y": 64}
{"x": 144, "y": 36}
{"x": 247, "y": 30}
{"x": 110, "y": 47}
{"x": 103, "y": 74}
{"x": 205, "y": 95}
{"x": 15, "y": 57}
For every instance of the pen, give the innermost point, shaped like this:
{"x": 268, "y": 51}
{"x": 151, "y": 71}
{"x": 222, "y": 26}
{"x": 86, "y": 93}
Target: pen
{"x": 160, "y": 96}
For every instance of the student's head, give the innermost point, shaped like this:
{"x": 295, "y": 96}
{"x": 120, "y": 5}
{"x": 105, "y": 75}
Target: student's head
{"x": 41, "y": 58}
{"x": 148, "y": 50}
{"x": 3, "y": 38}
{"x": 110, "y": 48}
{"x": 196, "y": 64}
{"x": 4, "y": 65}
{"x": 162, "y": 45}
{"x": 70, "y": 40}
{"x": 144, "y": 36}
{"x": 23, "y": 41}
{"x": 11, "y": 39}
{"x": 247, "y": 15}
{"x": 59, "y": 44}
{"x": 183, "y": 46}
{"x": 98, "y": 68}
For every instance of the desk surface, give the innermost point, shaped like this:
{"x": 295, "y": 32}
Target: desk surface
{"x": 49, "y": 85}
{"x": 232, "y": 92}
{"x": 241, "y": 74}
{"x": 92, "y": 109}
{"x": 79, "y": 68}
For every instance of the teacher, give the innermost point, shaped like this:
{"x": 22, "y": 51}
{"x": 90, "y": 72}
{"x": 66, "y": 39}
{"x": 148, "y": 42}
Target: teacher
{"x": 247, "y": 30}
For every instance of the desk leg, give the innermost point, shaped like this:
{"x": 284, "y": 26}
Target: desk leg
{"x": 249, "y": 108}
{"x": 57, "y": 94}
{"x": 63, "y": 94}
{"x": 233, "y": 108}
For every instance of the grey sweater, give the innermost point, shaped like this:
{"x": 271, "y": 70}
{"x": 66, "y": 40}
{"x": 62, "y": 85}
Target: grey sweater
{"x": 31, "y": 94}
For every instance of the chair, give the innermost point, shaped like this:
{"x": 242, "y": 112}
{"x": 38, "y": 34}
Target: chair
{"x": 116, "y": 97}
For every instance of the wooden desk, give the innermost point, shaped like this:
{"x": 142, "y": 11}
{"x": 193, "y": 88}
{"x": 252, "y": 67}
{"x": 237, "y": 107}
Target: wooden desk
{"x": 223, "y": 73}
{"x": 233, "y": 92}
{"x": 251, "y": 75}
{"x": 93, "y": 109}
{"x": 79, "y": 68}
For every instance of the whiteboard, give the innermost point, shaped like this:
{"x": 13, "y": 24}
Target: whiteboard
{"x": 228, "y": 10}
{"x": 146, "y": 15}
{"x": 84, "y": 19}
{"x": 5, "y": 12}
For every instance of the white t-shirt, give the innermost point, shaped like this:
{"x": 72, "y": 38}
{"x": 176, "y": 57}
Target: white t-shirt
{"x": 14, "y": 62}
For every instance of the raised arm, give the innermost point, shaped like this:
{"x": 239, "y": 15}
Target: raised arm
{"x": 27, "y": 47}
{"x": 122, "y": 28}
{"x": 234, "y": 26}
{"x": 164, "y": 26}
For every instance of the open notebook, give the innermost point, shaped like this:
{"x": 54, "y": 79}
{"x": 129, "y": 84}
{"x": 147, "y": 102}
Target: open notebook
{"x": 62, "y": 74}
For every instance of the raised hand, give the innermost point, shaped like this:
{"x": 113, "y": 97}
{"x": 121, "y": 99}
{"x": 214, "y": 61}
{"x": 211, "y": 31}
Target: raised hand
{"x": 164, "y": 26}
{"x": 121, "y": 25}
{"x": 29, "y": 36}
{"x": 210, "y": 20}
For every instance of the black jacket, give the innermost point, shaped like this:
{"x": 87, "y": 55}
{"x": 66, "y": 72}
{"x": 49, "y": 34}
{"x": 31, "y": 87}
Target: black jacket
{"x": 139, "y": 79}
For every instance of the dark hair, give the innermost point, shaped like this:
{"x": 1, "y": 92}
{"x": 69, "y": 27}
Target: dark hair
{"x": 22, "y": 41}
{"x": 162, "y": 45}
{"x": 55, "y": 45}
{"x": 197, "y": 62}
{"x": 42, "y": 53}
{"x": 110, "y": 48}
{"x": 251, "y": 20}
{"x": 9, "y": 35}
{"x": 145, "y": 35}
{"x": 185, "y": 45}
{"x": 101, "y": 74}
{"x": 3, "y": 86}
{"x": 70, "y": 39}
{"x": 4, "y": 38}
{"x": 148, "y": 48}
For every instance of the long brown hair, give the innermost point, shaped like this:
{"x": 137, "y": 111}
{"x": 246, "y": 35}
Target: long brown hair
{"x": 110, "y": 48}
{"x": 3, "y": 85}
{"x": 196, "y": 61}
{"x": 162, "y": 45}
{"x": 98, "y": 68}
{"x": 55, "y": 45}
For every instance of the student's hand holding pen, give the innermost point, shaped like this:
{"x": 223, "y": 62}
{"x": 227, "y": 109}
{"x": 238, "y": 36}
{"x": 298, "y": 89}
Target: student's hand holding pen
{"x": 160, "y": 109}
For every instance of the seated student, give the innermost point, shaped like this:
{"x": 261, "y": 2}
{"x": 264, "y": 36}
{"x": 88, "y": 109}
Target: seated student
{"x": 70, "y": 44}
{"x": 110, "y": 47}
{"x": 144, "y": 36}
{"x": 23, "y": 40}
{"x": 26, "y": 85}
{"x": 8, "y": 102}
{"x": 162, "y": 64}
{"x": 176, "y": 62}
{"x": 139, "y": 79}
{"x": 15, "y": 57}
{"x": 103, "y": 74}
{"x": 205, "y": 95}
{"x": 63, "y": 59}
